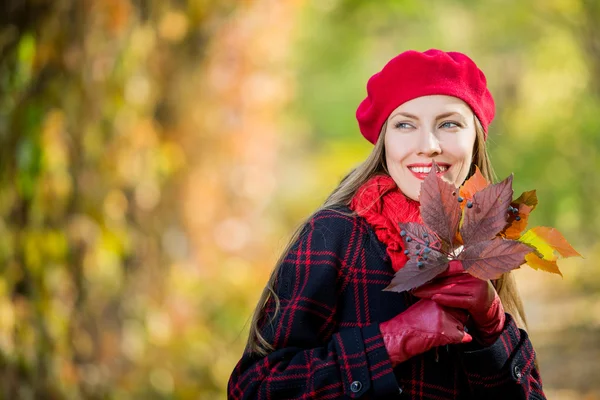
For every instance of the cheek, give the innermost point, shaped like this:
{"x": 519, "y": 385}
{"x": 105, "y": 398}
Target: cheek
{"x": 461, "y": 150}
{"x": 395, "y": 149}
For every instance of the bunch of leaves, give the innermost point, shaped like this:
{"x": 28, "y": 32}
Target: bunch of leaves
{"x": 479, "y": 224}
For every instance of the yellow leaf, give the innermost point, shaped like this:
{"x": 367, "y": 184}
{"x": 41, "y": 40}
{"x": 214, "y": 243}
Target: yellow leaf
{"x": 539, "y": 244}
{"x": 556, "y": 240}
{"x": 546, "y": 241}
{"x": 536, "y": 262}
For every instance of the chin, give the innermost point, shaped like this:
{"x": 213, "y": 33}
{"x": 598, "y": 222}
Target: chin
{"x": 413, "y": 196}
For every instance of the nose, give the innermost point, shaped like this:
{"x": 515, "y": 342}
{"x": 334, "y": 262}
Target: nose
{"x": 429, "y": 144}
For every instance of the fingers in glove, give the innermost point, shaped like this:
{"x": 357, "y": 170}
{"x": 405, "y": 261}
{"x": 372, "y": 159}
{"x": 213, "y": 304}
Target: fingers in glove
{"x": 455, "y": 285}
{"x": 458, "y": 315}
{"x": 455, "y": 267}
{"x": 466, "y": 338}
{"x": 459, "y": 318}
{"x": 454, "y": 301}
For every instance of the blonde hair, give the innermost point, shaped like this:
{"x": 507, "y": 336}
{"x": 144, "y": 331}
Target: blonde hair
{"x": 341, "y": 196}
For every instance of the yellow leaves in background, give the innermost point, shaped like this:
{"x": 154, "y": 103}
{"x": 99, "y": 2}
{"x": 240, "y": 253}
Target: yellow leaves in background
{"x": 173, "y": 26}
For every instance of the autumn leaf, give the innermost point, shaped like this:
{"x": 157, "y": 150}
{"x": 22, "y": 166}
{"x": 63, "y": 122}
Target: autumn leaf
{"x": 535, "y": 262}
{"x": 458, "y": 239}
{"x": 547, "y": 240}
{"x": 528, "y": 198}
{"x": 425, "y": 259}
{"x": 439, "y": 208}
{"x": 488, "y": 214}
{"x": 417, "y": 237}
{"x": 517, "y": 221}
{"x": 411, "y": 276}
{"x": 474, "y": 184}
{"x": 519, "y": 216}
{"x": 491, "y": 258}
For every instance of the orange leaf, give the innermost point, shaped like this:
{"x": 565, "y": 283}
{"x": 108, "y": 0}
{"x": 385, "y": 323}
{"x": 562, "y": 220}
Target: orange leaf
{"x": 525, "y": 204}
{"x": 458, "y": 238}
{"x": 515, "y": 228}
{"x": 556, "y": 240}
{"x": 472, "y": 185}
{"x": 535, "y": 262}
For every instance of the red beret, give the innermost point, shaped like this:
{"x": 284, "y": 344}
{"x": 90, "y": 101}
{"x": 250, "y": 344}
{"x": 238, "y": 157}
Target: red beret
{"x": 414, "y": 74}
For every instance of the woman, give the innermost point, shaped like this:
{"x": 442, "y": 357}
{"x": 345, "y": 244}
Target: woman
{"x": 325, "y": 329}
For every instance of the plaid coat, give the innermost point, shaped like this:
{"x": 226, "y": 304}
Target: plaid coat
{"x": 327, "y": 339}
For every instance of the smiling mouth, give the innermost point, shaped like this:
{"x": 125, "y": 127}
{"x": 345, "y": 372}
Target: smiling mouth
{"x": 422, "y": 170}
{"x": 426, "y": 169}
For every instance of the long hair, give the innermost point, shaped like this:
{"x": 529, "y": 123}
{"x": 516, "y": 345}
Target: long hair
{"x": 341, "y": 196}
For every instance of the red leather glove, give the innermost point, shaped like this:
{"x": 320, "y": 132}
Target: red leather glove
{"x": 459, "y": 289}
{"x": 423, "y": 326}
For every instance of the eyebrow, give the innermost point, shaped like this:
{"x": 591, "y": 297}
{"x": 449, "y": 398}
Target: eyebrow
{"x": 441, "y": 116}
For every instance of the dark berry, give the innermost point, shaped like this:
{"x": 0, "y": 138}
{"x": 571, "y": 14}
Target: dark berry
{"x": 406, "y": 252}
{"x": 469, "y": 204}
{"x": 515, "y": 210}
{"x": 425, "y": 235}
{"x": 418, "y": 247}
{"x": 427, "y": 243}
{"x": 420, "y": 264}
{"x": 518, "y": 218}
{"x": 460, "y": 199}
{"x": 402, "y": 233}
{"x": 408, "y": 239}
{"x": 424, "y": 257}
{"x": 426, "y": 250}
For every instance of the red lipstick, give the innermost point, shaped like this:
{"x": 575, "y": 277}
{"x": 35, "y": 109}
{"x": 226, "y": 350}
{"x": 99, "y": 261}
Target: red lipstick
{"x": 418, "y": 170}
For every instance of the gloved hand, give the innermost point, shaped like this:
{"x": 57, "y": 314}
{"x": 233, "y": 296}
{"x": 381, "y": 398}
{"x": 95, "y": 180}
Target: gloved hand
{"x": 459, "y": 289}
{"x": 423, "y": 326}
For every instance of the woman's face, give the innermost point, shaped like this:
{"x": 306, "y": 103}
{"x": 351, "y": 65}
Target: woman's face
{"x": 429, "y": 128}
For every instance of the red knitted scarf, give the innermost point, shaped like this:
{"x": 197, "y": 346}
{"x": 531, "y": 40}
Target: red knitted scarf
{"x": 384, "y": 206}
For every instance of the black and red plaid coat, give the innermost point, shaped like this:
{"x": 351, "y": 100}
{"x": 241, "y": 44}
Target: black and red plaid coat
{"x": 327, "y": 339}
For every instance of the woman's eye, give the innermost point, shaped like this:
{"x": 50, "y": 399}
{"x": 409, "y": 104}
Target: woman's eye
{"x": 450, "y": 124}
{"x": 402, "y": 125}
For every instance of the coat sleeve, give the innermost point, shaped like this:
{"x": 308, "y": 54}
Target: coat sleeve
{"x": 313, "y": 357}
{"x": 506, "y": 369}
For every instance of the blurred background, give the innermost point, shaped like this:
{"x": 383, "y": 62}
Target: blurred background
{"x": 156, "y": 155}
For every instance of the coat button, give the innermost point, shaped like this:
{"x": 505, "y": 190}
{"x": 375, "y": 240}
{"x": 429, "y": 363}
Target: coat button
{"x": 517, "y": 371}
{"x": 356, "y": 386}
